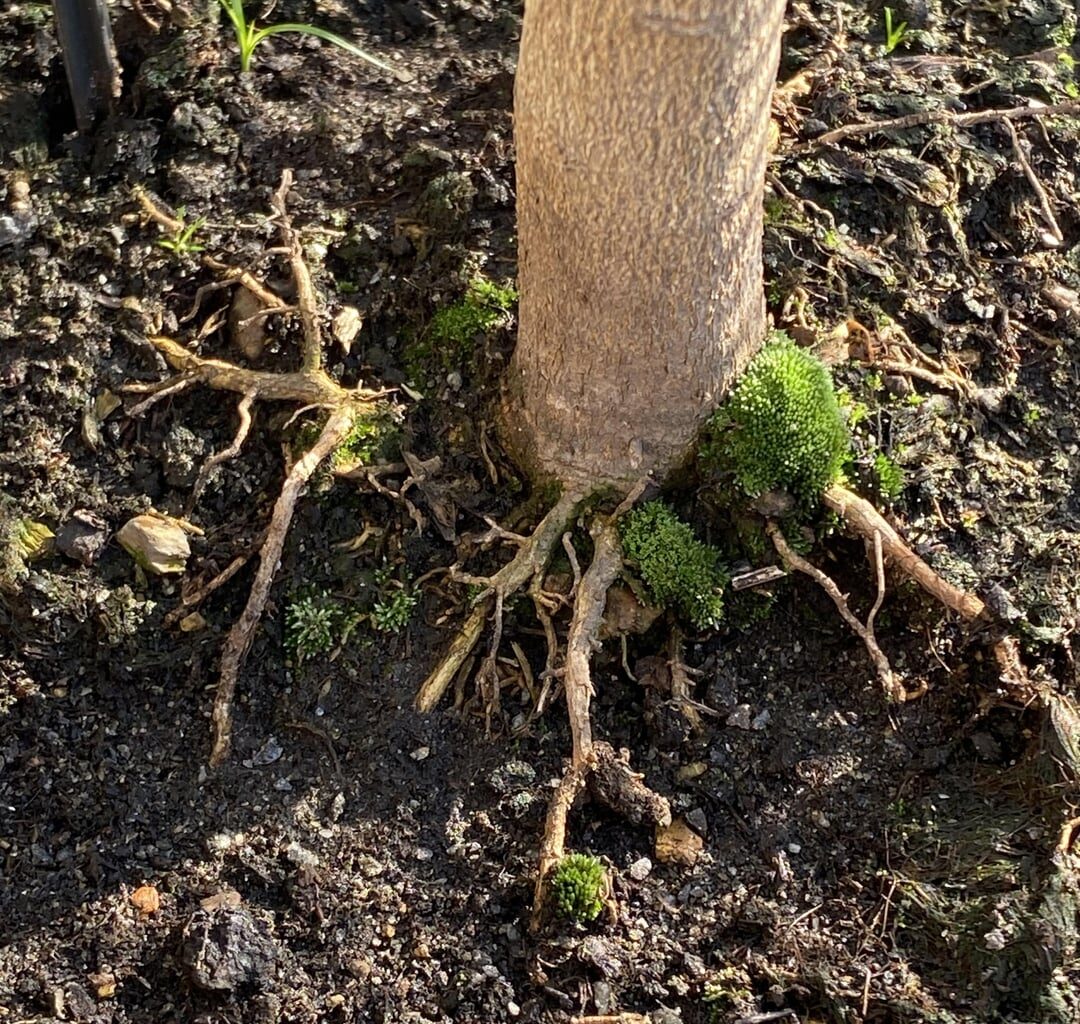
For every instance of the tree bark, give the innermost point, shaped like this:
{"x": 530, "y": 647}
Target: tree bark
{"x": 641, "y": 132}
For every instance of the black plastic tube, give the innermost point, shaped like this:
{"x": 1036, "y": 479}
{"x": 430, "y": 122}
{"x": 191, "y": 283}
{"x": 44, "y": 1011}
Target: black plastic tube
{"x": 89, "y": 58}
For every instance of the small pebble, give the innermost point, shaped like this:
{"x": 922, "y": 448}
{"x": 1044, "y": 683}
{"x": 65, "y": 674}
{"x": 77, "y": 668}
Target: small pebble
{"x": 740, "y": 717}
{"x": 640, "y": 869}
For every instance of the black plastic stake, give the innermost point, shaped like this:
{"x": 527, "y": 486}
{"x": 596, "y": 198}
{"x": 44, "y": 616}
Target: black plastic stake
{"x": 89, "y": 57}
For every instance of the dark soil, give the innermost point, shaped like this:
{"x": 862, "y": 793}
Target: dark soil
{"x": 356, "y": 862}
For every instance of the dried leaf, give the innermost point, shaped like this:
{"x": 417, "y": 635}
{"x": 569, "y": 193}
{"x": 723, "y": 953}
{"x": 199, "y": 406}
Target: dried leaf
{"x": 347, "y": 326}
{"x": 157, "y": 543}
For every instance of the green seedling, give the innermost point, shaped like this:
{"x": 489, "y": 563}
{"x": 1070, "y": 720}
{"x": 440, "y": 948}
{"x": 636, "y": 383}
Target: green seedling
{"x": 391, "y": 613}
{"x": 314, "y": 623}
{"x": 248, "y": 37}
{"x": 888, "y": 476}
{"x": 894, "y": 35}
{"x": 183, "y": 243}
{"x": 577, "y": 887}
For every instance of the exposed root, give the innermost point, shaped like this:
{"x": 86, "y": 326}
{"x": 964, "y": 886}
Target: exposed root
{"x": 1037, "y": 186}
{"x": 311, "y": 339}
{"x": 584, "y": 627}
{"x": 230, "y": 275}
{"x": 893, "y": 687}
{"x": 240, "y": 636}
{"x": 309, "y": 387}
{"x": 191, "y": 601}
{"x": 610, "y": 774}
{"x": 866, "y": 520}
{"x": 895, "y": 124}
{"x": 611, "y": 781}
{"x": 553, "y": 845}
{"x": 532, "y": 557}
{"x": 869, "y": 523}
{"x": 682, "y": 688}
{"x": 243, "y": 413}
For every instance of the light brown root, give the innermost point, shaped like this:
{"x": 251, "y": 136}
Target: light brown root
{"x": 614, "y": 783}
{"x": 611, "y": 1018}
{"x": 866, "y": 520}
{"x": 682, "y": 688}
{"x": 1033, "y": 179}
{"x": 553, "y": 845}
{"x": 158, "y": 392}
{"x": 611, "y": 781}
{"x": 609, "y": 775}
{"x": 310, "y": 387}
{"x": 191, "y": 601}
{"x": 893, "y": 125}
{"x": 584, "y": 628}
{"x": 243, "y": 413}
{"x": 243, "y": 630}
{"x": 894, "y": 689}
{"x": 532, "y": 557}
{"x": 311, "y": 339}
{"x": 231, "y": 275}
{"x": 437, "y": 683}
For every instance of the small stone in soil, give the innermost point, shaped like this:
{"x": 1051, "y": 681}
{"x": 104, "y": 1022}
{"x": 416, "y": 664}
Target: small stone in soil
{"x": 640, "y": 869}
{"x": 227, "y": 950}
{"x": 740, "y": 717}
{"x": 82, "y": 537}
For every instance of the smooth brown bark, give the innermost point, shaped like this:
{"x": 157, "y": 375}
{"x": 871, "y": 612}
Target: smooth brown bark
{"x": 641, "y": 144}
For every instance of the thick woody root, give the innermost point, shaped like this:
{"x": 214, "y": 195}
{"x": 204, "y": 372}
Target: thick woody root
{"x": 592, "y": 763}
{"x": 309, "y": 387}
{"x": 866, "y": 521}
{"x": 530, "y": 561}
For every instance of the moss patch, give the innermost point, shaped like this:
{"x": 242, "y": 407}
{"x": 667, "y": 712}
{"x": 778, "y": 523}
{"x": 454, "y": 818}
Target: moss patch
{"x": 449, "y": 341}
{"x": 782, "y": 427}
{"x": 680, "y": 571}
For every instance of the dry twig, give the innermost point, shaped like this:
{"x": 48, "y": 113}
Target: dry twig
{"x": 1033, "y": 180}
{"x": 896, "y": 124}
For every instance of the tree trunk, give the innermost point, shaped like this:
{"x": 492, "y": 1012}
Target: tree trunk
{"x": 641, "y": 133}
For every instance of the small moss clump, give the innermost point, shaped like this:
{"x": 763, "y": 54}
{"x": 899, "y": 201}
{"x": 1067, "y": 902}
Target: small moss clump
{"x": 313, "y": 624}
{"x": 679, "y": 570}
{"x": 484, "y": 306}
{"x": 450, "y": 338}
{"x": 787, "y": 431}
{"x": 888, "y": 476}
{"x": 577, "y": 887}
{"x": 372, "y": 437}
